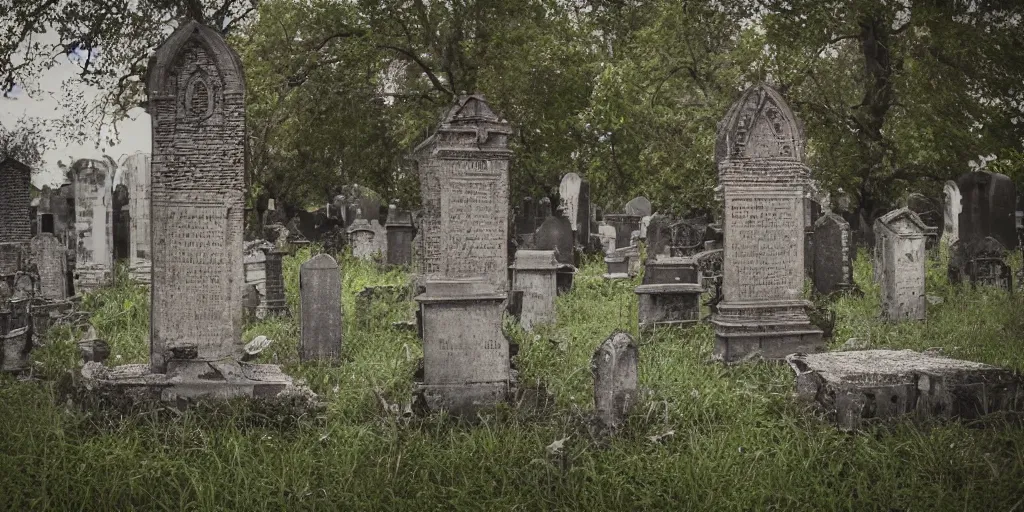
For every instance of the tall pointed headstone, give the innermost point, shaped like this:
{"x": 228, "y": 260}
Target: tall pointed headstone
{"x": 759, "y": 153}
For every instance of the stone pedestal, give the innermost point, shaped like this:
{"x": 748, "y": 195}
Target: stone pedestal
{"x": 618, "y": 266}
{"x": 668, "y": 305}
{"x": 857, "y": 387}
{"x": 465, "y": 354}
{"x": 536, "y": 276}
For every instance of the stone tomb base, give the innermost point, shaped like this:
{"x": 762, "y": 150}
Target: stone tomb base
{"x": 223, "y": 380}
{"x": 767, "y": 331}
{"x": 466, "y": 357}
{"x": 668, "y": 305}
{"x": 858, "y": 386}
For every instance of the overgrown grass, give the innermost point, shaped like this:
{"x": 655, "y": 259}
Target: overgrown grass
{"x": 740, "y": 442}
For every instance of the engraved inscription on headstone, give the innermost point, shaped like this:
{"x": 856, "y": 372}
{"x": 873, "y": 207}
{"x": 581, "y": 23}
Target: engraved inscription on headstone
{"x": 321, "y": 322}
{"x": 762, "y": 245}
{"x": 51, "y": 261}
{"x": 93, "y": 202}
{"x": 900, "y": 249}
{"x": 833, "y": 254}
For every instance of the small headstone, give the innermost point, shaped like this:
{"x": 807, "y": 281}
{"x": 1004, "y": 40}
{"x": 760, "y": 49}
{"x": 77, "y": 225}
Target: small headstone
{"x": 607, "y": 235}
{"x": 536, "y": 276}
{"x": 859, "y": 387}
{"x": 51, "y": 261}
{"x": 900, "y": 255}
{"x": 951, "y": 212}
{"x": 833, "y": 255}
{"x": 400, "y": 233}
{"x": 987, "y": 266}
{"x": 639, "y": 207}
{"x": 321, "y": 322}
{"x": 624, "y": 225}
{"x": 615, "y": 370}
{"x": 362, "y": 239}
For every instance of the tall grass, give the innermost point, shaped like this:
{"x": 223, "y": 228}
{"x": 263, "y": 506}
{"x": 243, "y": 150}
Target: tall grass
{"x": 705, "y": 437}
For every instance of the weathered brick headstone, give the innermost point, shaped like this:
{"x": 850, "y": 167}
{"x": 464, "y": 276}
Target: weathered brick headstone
{"x": 900, "y": 255}
{"x": 400, "y": 232}
{"x": 15, "y": 198}
{"x": 526, "y": 218}
{"x": 536, "y": 275}
{"x": 760, "y": 158}
{"x": 616, "y": 379}
{"x": 463, "y": 172}
{"x": 50, "y": 257}
{"x": 56, "y": 214}
{"x": 136, "y": 169}
{"x": 833, "y": 254}
{"x": 93, "y": 226}
{"x": 321, "y": 322}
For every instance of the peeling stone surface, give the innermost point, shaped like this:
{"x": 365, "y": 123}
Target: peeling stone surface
{"x": 536, "y": 276}
{"x": 856, "y": 387}
{"x": 15, "y": 199}
{"x": 900, "y": 264}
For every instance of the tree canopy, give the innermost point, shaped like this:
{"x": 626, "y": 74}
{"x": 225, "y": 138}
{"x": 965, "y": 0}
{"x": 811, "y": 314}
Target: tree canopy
{"x": 894, "y": 95}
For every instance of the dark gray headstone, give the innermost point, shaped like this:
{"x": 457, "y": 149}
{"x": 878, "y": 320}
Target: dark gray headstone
{"x": 321, "y": 322}
{"x": 833, "y": 254}
{"x": 988, "y": 209}
{"x": 400, "y": 232}
{"x": 556, "y": 234}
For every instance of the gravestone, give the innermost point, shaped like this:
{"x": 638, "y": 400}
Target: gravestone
{"x": 638, "y": 206}
{"x": 15, "y": 199}
{"x": 569, "y": 195}
{"x": 400, "y": 232}
{"x": 196, "y": 99}
{"x": 951, "y": 213}
{"x": 50, "y": 257}
{"x": 362, "y": 238}
{"x": 615, "y": 369}
{"x": 463, "y": 171}
{"x": 465, "y": 354}
{"x": 670, "y": 292}
{"x": 555, "y": 234}
{"x": 526, "y": 219}
{"x": 58, "y": 206}
{"x": 833, "y": 255}
{"x": 263, "y": 273}
{"x": 535, "y": 274}
{"x": 321, "y": 321}
{"x": 136, "y": 169}
{"x": 624, "y": 225}
{"x": 93, "y": 226}
{"x": 900, "y": 254}
{"x": 759, "y": 153}
{"x": 607, "y": 235}
{"x": 856, "y": 388}
{"x": 120, "y": 221}
{"x": 987, "y": 266}
{"x": 988, "y": 206}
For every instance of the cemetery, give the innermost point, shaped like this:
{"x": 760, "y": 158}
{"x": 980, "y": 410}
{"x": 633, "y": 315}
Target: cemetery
{"x": 183, "y": 329}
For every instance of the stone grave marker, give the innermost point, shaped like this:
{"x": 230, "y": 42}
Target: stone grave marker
{"x": 400, "y": 232}
{"x": 136, "y": 169}
{"x": 555, "y": 234}
{"x": 988, "y": 209}
{"x": 526, "y": 219}
{"x": 321, "y": 318}
{"x": 670, "y": 292}
{"x": 863, "y": 386}
{"x": 465, "y": 354}
{"x": 93, "y": 226}
{"x": 15, "y": 199}
{"x": 569, "y": 195}
{"x": 624, "y": 225}
{"x": 196, "y": 99}
{"x": 951, "y": 212}
{"x": 463, "y": 172}
{"x": 987, "y": 266}
{"x": 639, "y": 206}
{"x": 361, "y": 237}
{"x": 759, "y": 154}
{"x": 900, "y": 253}
{"x": 263, "y": 272}
{"x": 833, "y": 255}
{"x": 50, "y": 257}
{"x": 535, "y": 273}
{"x": 607, "y": 235}
{"x": 615, "y": 369}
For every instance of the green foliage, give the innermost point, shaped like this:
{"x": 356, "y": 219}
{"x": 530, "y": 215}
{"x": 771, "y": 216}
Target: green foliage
{"x": 724, "y": 438}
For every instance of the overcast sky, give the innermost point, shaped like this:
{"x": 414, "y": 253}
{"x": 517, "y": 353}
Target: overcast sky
{"x": 134, "y": 133}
